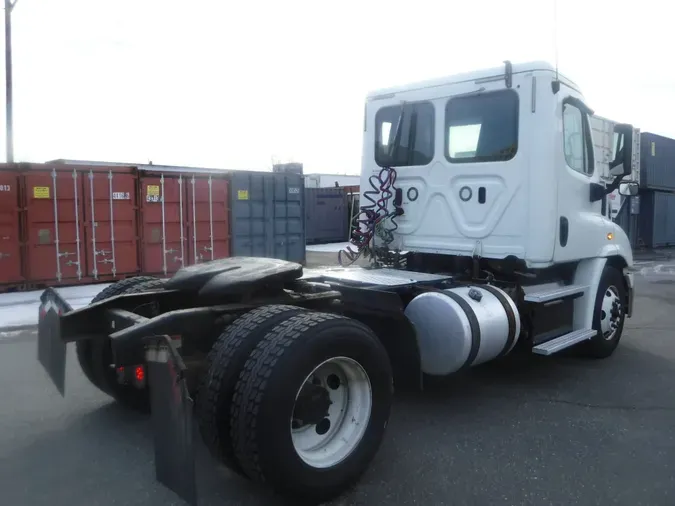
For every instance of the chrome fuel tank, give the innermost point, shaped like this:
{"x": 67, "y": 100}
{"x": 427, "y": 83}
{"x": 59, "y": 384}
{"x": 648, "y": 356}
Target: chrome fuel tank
{"x": 464, "y": 326}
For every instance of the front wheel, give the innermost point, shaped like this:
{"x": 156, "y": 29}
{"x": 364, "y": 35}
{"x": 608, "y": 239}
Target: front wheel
{"x": 311, "y": 406}
{"x": 609, "y": 315}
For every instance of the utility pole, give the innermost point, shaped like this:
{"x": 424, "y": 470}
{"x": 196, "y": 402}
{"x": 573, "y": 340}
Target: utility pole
{"x": 9, "y": 125}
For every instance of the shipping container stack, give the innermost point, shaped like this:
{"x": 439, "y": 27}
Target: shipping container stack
{"x": 70, "y": 223}
{"x": 654, "y": 208}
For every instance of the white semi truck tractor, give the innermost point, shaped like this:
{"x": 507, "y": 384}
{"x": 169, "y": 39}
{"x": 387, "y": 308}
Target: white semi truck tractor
{"x": 485, "y": 231}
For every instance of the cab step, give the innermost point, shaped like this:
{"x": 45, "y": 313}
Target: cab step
{"x": 564, "y": 341}
{"x": 554, "y": 293}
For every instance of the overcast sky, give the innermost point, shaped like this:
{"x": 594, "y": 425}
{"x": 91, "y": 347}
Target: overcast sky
{"x": 230, "y": 84}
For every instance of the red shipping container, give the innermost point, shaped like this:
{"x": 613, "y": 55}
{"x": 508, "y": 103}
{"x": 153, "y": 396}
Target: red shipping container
{"x": 163, "y": 210}
{"x": 208, "y": 218}
{"x": 80, "y": 223}
{"x": 54, "y": 224}
{"x": 190, "y": 224}
{"x": 10, "y": 237}
{"x": 110, "y": 222}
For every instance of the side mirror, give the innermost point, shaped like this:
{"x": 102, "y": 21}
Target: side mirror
{"x": 622, "y": 165}
{"x": 628, "y": 189}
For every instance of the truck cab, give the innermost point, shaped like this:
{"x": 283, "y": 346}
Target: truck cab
{"x": 496, "y": 163}
{"x": 493, "y": 173}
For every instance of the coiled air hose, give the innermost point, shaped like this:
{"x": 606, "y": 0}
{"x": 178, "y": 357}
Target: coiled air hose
{"x": 373, "y": 218}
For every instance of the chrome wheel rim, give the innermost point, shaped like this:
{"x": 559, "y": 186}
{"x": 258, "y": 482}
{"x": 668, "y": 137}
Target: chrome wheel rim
{"x": 611, "y": 312}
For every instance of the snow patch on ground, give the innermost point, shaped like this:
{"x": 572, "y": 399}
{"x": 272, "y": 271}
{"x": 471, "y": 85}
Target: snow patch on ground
{"x": 21, "y": 309}
{"x": 333, "y": 247}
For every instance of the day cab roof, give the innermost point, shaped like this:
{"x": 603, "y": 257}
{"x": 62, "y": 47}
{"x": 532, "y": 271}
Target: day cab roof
{"x": 476, "y": 75}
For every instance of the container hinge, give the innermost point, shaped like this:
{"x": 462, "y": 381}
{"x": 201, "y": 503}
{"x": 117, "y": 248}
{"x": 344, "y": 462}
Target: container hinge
{"x": 4, "y": 255}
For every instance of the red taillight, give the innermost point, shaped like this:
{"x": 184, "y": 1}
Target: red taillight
{"x": 139, "y": 373}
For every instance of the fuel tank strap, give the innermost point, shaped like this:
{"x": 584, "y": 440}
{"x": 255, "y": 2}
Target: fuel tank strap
{"x": 510, "y": 317}
{"x": 473, "y": 323}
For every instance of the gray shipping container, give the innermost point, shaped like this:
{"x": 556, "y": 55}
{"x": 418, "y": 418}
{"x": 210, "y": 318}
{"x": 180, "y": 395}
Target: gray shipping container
{"x": 657, "y": 162}
{"x": 657, "y": 219}
{"x": 268, "y": 216}
{"x": 327, "y": 215}
{"x": 629, "y": 221}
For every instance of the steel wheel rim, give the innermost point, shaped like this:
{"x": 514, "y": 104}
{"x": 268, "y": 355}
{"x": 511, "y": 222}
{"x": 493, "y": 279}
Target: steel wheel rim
{"x": 611, "y": 312}
{"x": 348, "y": 414}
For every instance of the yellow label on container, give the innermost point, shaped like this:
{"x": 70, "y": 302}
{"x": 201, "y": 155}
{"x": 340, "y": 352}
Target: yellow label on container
{"x": 153, "y": 190}
{"x": 40, "y": 192}
{"x": 242, "y": 194}
{"x": 653, "y": 149}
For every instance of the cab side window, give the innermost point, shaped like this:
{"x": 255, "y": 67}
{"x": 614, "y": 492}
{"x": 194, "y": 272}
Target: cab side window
{"x": 576, "y": 140}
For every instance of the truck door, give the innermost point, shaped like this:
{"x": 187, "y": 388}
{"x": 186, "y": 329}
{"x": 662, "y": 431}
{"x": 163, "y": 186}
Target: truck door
{"x": 581, "y": 230}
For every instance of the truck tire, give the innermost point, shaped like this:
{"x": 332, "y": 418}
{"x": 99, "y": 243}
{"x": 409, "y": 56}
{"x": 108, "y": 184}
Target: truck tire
{"x": 104, "y": 377}
{"x": 332, "y": 377}
{"x": 83, "y": 348}
{"x": 609, "y": 315}
{"x": 224, "y": 363}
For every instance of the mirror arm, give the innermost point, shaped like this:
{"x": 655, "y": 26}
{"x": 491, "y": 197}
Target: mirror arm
{"x": 600, "y": 191}
{"x": 614, "y": 184}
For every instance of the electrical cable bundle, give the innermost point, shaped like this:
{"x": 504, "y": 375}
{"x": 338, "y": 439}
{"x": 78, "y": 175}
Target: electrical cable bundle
{"x": 373, "y": 218}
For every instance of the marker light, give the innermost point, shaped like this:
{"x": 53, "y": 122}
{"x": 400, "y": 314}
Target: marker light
{"x": 610, "y": 236}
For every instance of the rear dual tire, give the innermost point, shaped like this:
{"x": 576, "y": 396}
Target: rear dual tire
{"x": 252, "y": 408}
{"x": 224, "y": 363}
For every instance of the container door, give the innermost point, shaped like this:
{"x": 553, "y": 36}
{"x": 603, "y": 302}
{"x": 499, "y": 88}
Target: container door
{"x": 333, "y": 224}
{"x": 54, "y": 225}
{"x": 248, "y": 215}
{"x": 208, "y": 219}
{"x": 163, "y": 210}
{"x": 289, "y": 218}
{"x": 268, "y": 216}
{"x": 10, "y": 245}
{"x": 311, "y": 215}
{"x": 110, "y": 223}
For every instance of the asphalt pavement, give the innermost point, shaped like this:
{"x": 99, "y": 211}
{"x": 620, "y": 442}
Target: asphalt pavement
{"x": 541, "y": 431}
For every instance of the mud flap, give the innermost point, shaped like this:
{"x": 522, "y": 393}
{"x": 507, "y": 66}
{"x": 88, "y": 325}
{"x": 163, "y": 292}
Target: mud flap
{"x": 51, "y": 348}
{"x": 171, "y": 408}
